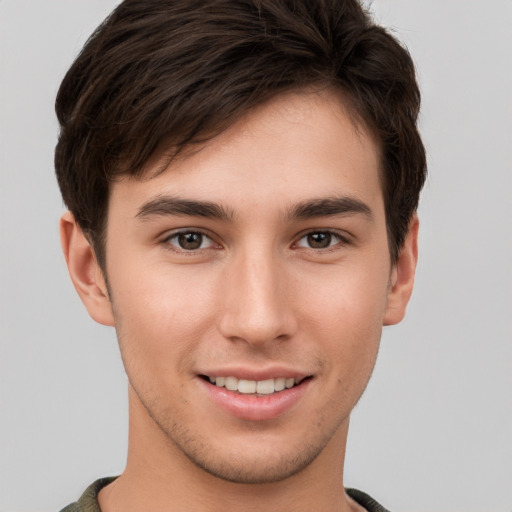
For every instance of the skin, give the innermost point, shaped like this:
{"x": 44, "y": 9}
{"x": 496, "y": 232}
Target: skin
{"x": 254, "y": 296}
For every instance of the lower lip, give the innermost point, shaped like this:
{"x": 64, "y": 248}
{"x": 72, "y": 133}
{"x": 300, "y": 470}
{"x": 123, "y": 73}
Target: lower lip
{"x": 253, "y": 407}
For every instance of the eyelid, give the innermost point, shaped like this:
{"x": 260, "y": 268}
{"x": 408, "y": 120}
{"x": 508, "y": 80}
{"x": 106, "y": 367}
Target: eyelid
{"x": 165, "y": 240}
{"x": 343, "y": 239}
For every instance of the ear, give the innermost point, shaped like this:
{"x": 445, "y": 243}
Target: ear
{"x": 84, "y": 270}
{"x": 402, "y": 276}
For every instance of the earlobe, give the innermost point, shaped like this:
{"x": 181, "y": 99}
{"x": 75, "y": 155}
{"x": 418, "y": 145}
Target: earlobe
{"x": 84, "y": 270}
{"x": 402, "y": 276}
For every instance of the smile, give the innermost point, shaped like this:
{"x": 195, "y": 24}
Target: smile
{"x": 251, "y": 387}
{"x": 255, "y": 400}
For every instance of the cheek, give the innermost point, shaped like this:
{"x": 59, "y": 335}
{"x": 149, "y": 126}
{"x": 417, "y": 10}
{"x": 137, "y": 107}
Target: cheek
{"x": 353, "y": 297}
{"x": 160, "y": 316}
{"x": 347, "y": 314}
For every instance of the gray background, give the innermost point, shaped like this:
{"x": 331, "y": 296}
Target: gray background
{"x": 434, "y": 431}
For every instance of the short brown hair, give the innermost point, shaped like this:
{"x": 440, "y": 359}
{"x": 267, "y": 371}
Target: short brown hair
{"x": 176, "y": 72}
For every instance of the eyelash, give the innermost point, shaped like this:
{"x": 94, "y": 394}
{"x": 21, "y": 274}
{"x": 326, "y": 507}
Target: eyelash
{"x": 175, "y": 235}
{"x": 339, "y": 238}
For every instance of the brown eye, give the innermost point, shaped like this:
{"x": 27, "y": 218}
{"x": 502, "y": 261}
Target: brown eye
{"x": 319, "y": 240}
{"x": 190, "y": 241}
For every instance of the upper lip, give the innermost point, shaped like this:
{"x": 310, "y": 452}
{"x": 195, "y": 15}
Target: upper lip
{"x": 256, "y": 374}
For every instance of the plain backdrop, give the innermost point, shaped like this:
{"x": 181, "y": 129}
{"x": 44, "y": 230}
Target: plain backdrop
{"x": 433, "y": 432}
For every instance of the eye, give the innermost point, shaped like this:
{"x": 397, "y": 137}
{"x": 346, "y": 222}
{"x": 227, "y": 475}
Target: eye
{"x": 320, "y": 240}
{"x": 189, "y": 241}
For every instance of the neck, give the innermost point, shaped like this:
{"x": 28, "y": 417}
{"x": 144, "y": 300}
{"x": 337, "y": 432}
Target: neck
{"x": 158, "y": 476}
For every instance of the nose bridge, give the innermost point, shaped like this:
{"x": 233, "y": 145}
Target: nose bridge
{"x": 255, "y": 303}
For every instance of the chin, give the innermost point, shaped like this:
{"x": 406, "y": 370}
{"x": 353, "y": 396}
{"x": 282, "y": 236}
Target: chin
{"x": 252, "y": 458}
{"x": 246, "y": 470}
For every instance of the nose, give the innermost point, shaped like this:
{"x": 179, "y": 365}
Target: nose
{"x": 257, "y": 301}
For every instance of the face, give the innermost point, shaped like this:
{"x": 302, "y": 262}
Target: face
{"x": 259, "y": 262}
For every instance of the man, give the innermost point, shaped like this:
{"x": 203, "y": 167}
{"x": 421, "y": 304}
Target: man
{"x": 242, "y": 180}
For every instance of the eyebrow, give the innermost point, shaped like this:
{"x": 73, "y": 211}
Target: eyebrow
{"x": 165, "y": 205}
{"x": 330, "y": 206}
{"x": 324, "y": 207}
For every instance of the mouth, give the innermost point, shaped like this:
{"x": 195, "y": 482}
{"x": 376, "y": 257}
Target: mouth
{"x": 254, "y": 387}
{"x": 256, "y": 400}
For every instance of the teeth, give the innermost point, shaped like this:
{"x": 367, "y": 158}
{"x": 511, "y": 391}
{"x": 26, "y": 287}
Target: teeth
{"x": 250, "y": 387}
{"x": 265, "y": 387}
{"x": 280, "y": 384}
{"x": 247, "y": 386}
{"x": 231, "y": 383}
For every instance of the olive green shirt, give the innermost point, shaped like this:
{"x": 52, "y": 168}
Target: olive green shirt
{"x": 88, "y": 502}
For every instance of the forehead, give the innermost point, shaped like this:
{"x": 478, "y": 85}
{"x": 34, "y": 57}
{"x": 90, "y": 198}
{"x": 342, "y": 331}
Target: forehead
{"x": 290, "y": 149}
